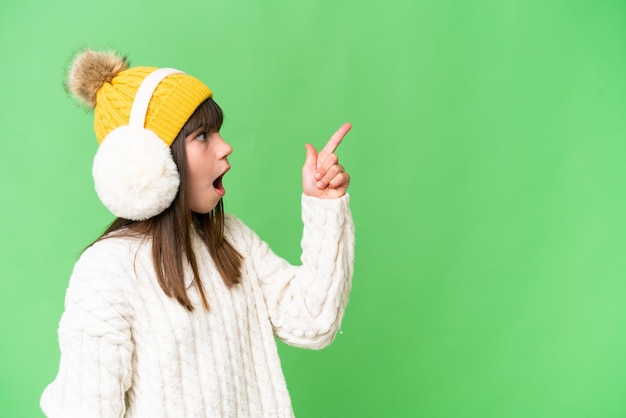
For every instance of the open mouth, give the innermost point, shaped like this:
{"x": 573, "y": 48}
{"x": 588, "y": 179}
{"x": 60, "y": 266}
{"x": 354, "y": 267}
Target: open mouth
{"x": 218, "y": 183}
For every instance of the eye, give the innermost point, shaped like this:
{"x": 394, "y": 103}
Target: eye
{"x": 201, "y": 136}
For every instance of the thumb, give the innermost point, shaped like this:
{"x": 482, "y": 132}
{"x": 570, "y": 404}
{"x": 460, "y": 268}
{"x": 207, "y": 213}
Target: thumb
{"x": 311, "y": 157}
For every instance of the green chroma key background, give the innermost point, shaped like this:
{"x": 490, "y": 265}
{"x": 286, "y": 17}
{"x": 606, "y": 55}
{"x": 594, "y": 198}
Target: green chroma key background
{"x": 489, "y": 181}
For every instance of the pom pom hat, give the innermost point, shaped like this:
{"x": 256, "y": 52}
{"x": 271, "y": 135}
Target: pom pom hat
{"x": 138, "y": 112}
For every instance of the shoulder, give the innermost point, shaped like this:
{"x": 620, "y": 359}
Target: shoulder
{"x": 107, "y": 260}
{"x": 111, "y": 251}
{"x": 233, "y": 223}
{"x": 100, "y": 294}
{"x": 234, "y": 227}
{"x": 99, "y": 282}
{"x": 238, "y": 233}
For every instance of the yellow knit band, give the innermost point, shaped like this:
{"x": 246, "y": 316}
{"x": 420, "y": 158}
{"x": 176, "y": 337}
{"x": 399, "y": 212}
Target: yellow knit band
{"x": 173, "y": 102}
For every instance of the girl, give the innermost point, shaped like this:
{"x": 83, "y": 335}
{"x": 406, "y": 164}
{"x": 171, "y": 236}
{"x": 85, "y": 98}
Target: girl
{"x": 173, "y": 311}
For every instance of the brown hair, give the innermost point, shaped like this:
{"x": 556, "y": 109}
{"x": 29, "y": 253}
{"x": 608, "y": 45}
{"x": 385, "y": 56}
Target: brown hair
{"x": 171, "y": 230}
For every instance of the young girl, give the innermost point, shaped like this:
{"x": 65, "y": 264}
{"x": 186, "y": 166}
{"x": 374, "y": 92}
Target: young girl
{"x": 173, "y": 311}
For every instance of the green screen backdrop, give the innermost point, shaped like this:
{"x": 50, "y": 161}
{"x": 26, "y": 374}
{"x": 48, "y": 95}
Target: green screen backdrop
{"x": 488, "y": 191}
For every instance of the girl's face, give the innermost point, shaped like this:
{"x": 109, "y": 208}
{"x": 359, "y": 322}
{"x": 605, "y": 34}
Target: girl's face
{"x": 207, "y": 162}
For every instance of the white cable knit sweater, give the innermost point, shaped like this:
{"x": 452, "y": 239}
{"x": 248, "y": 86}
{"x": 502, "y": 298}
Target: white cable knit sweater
{"x": 128, "y": 350}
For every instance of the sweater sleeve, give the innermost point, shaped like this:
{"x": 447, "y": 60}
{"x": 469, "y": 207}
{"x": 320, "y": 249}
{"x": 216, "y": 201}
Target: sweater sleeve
{"x": 95, "y": 341}
{"x": 306, "y": 303}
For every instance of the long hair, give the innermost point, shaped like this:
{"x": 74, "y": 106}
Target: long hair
{"x": 171, "y": 231}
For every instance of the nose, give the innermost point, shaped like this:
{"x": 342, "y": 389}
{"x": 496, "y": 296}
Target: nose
{"x": 225, "y": 149}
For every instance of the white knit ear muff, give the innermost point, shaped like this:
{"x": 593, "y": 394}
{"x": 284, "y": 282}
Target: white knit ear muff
{"x": 134, "y": 173}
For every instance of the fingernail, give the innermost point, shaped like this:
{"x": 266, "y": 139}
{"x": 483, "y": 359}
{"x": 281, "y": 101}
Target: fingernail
{"x": 320, "y": 184}
{"x": 318, "y": 176}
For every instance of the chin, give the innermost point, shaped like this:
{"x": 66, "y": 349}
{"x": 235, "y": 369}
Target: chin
{"x": 203, "y": 209}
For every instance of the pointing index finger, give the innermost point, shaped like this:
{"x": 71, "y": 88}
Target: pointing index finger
{"x": 334, "y": 141}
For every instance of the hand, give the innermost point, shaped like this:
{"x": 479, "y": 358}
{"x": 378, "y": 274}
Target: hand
{"x": 322, "y": 175}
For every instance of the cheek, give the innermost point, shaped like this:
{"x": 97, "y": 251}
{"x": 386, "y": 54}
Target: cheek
{"x": 192, "y": 174}
{"x": 198, "y": 169}
{"x": 194, "y": 160}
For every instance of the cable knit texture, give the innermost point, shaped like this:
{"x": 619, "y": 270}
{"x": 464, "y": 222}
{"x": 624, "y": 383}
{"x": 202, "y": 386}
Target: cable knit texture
{"x": 127, "y": 350}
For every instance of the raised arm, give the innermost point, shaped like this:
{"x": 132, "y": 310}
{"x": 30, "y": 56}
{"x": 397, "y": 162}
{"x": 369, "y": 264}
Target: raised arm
{"x": 306, "y": 303}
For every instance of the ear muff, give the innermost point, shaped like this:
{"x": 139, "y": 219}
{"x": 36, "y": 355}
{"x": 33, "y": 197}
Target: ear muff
{"x": 134, "y": 173}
